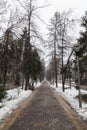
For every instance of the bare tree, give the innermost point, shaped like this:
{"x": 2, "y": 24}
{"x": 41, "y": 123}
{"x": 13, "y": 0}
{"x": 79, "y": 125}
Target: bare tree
{"x": 59, "y": 39}
{"x": 65, "y": 39}
{"x": 30, "y": 17}
{"x": 54, "y": 30}
{"x": 3, "y": 11}
{"x": 29, "y": 11}
{"x": 8, "y": 37}
{"x": 3, "y": 7}
{"x": 50, "y": 73}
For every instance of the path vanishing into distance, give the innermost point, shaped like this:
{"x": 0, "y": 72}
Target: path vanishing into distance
{"x": 44, "y": 110}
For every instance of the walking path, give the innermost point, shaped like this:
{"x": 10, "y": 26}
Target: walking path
{"x": 47, "y": 111}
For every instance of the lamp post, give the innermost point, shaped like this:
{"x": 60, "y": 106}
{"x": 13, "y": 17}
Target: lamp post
{"x": 77, "y": 50}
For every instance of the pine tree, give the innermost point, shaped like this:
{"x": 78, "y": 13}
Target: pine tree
{"x": 83, "y": 36}
{"x": 31, "y": 64}
{"x": 82, "y": 41}
{"x": 36, "y": 65}
{"x": 6, "y": 54}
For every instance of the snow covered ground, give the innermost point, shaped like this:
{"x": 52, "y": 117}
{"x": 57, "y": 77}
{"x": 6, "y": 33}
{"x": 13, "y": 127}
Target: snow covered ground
{"x": 15, "y": 96}
{"x": 12, "y": 100}
{"x": 70, "y": 96}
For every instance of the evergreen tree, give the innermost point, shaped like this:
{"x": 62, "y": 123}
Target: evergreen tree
{"x": 82, "y": 41}
{"x": 83, "y": 36}
{"x": 5, "y": 58}
{"x": 36, "y": 65}
{"x": 27, "y": 61}
{"x": 6, "y": 54}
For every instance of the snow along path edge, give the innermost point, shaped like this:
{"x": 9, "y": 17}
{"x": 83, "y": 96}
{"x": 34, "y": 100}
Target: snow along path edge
{"x": 70, "y": 97}
{"x": 78, "y": 123}
{"x": 11, "y": 118}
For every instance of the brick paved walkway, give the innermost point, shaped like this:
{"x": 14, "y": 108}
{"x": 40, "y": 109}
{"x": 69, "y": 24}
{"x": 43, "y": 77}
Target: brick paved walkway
{"x": 44, "y": 112}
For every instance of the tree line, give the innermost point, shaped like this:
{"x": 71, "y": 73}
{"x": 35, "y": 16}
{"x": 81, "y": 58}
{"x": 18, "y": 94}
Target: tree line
{"x": 61, "y": 43}
{"x": 20, "y": 60}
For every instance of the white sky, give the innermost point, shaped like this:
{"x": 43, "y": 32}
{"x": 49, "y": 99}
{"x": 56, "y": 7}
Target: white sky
{"x": 79, "y": 7}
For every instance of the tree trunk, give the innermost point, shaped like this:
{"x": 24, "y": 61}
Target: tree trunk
{"x": 62, "y": 69}
{"x": 22, "y": 82}
{"x": 55, "y": 59}
{"x": 27, "y": 82}
{"x": 4, "y": 76}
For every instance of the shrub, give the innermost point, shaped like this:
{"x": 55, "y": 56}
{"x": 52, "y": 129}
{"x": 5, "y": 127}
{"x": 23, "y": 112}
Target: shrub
{"x": 2, "y": 92}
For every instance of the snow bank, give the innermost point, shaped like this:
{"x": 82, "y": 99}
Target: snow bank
{"x": 13, "y": 98}
{"x": 37, "y": 85}
{"x": 70, "y": 96}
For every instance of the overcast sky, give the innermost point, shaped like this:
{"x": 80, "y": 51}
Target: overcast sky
{"x": 78, "y": 6}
